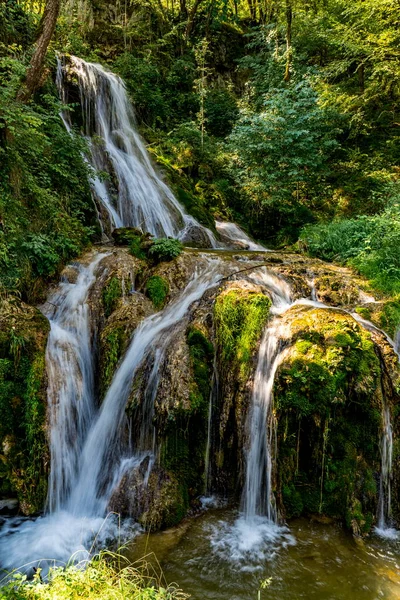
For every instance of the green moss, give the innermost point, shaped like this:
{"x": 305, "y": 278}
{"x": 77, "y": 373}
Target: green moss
{"x": 328, "y": 405}
{"x": 157, "y": 290}
{"x": 195, "y": 207}
{"x": 389, "y": 316}
{"x": 112, "y": 292}
{"x": 23, "y": 403}
{"x": 240, "y": 316}
{"x": 112, "y": 348}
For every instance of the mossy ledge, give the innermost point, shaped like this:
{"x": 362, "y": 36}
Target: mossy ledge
{"x": 329, "y": 396}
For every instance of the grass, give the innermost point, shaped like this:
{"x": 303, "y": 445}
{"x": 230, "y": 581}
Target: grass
{"x": 370, "y": 244}
{"x": 107, "y": 576}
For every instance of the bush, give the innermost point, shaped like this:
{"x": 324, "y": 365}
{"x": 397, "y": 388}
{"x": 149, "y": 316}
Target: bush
{"x": 165, "y": 249}
{"x": 157, "y": 289}
{"x": 100, "y": 580}
{"x": 370, "y": 244}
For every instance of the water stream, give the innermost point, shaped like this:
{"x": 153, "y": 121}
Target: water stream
{"x": 140, "y": 198}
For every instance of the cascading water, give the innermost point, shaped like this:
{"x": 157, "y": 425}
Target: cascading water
{"x": 258, "y": 498}
{"x": 70, "y": 367}
{"x": 232, "y": 235}
{"x": 141, "y": 199}
{"x": 99, "y": 453}
{"x": 87, "y": 459}
{"x": 384, "y": 507}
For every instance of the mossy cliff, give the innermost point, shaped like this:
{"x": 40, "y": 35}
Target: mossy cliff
{"x": 24, "y": 456}
{"x": 241, "y": 312}
{"x": 330, "y": 392}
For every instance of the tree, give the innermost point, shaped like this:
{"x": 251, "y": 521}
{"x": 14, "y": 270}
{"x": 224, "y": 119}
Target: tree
{"x": 46, "y": 31}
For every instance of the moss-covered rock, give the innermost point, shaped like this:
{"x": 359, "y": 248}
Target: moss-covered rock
{"x": 329, "y": 397}
{"x": 24, "y": 455}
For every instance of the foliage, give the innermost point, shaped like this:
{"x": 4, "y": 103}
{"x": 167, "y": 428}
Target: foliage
{"x": 107, "y": 576}
{"x": 370, "y": 244}
{"x": 111, "y": 293}
{"x": 157, "y": 289}
{"x": 164, "y": 249}
{"x": 281, "y": 155}
{"x": 328, "y": 406}
{"x": 46, "y": 210}
{"x": 240, "y": 317}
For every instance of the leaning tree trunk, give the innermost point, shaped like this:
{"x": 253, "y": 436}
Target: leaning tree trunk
{"x": 191, "y": 18}
{"x": 289, "y": 18}
{"x": 46, "y": 30}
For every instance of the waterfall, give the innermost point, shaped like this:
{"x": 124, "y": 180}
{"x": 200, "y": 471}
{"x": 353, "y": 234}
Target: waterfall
{"x": 235, "y": 237}
{"x": 258, "y": 498}
{"x": 384, "y": 506}
{"x": 70, "y": 368}
{"x": 88, "y": 461}
{"x": 101, "y": 448}
{"x": 139, "y": 197}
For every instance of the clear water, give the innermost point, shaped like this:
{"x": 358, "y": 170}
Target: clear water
{"x": 216, "y": 556}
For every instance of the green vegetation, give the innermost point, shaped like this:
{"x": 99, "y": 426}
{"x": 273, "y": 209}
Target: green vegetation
{"x": 157, "y": 289}
{"x": 240, "y": 317}
{"x": 164, "y": 249}
{"x": 111, "y": 293}
{"x": 106, "y": 577}
{"x": 328, "y": 404}
{"x": 24, "y": 459}
{"x": 369, "y": 244}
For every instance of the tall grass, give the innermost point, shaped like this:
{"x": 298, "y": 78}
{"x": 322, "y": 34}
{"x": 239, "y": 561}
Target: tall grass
{"x": 107, "y": 576}
{"x": 369, "y": 244}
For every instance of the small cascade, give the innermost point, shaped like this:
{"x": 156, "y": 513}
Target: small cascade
{"x": 234, "y": 237}
{"x": 258, "y": 498}
{"x": 397, "y": 341}
{"x": 384, "y": 506}
{"x": 139, "y": 197}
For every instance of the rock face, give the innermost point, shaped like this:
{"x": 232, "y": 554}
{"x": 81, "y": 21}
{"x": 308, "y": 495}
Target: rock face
{"x": 330, "y": 391}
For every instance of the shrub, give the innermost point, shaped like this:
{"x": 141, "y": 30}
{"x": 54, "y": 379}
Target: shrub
{"x": 165, "y": 249}
{"x": 101, "y": 579}
{"x": 157, "y": 289}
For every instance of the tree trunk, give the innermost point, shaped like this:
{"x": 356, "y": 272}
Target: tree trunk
{"x": 35, "y": 70}
{"x": 289, "y": 18}
{"x": 191, "y": 17}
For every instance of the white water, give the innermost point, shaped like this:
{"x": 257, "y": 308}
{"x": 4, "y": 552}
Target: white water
{"x": 88, "y": 461}
{"x": 384, "y": 508}
{"x": 235, "y": 237}
{"x": 70, "y": 370}
{"x": 141, "y": 198}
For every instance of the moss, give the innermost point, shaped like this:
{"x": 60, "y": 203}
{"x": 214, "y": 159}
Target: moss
{"x": 112, "y": 347}
{"x": 112, "y": 292}
{"x": 240, "y": 316}
{"x": 201, "y": 354}
{"x": 328, "y": 405}
{"x": 157, "y": 289}
{"x": 23, "y": 405}
{"x": 195, "y": 207}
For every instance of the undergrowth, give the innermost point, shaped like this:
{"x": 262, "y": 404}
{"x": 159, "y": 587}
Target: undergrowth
{"x": 106, "y": 577}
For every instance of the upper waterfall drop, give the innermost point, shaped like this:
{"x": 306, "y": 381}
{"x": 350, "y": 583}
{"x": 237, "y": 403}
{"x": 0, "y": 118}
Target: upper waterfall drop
{"x": 140, "y": 197}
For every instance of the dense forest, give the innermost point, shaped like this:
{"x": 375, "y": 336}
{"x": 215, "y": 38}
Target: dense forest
{"x": 280, "y": 115}
{"x": 173, "y": 359}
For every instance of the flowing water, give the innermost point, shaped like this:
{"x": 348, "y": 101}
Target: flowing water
{"x": 139, "y": 198}
{"x": 88, "y": 460}
{"x": 314, "y": 562}
{"x": 235, "y": 237}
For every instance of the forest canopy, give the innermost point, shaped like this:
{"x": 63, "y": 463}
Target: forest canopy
{"x": 279, "y": 114}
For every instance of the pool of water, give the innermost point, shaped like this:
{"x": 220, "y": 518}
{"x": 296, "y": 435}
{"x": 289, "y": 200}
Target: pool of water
{"x": 219, "y": 555}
